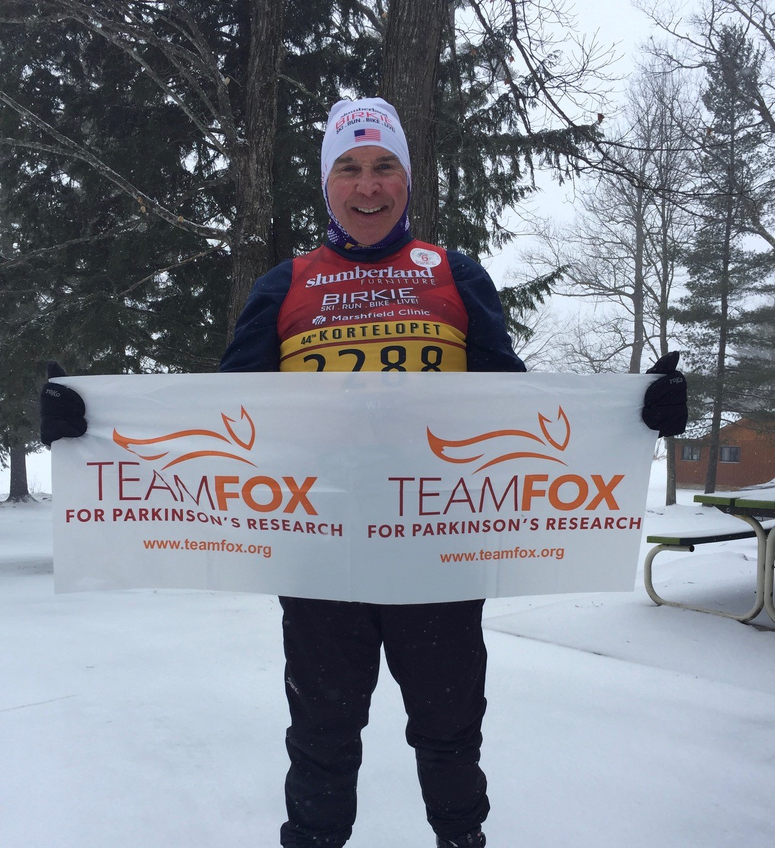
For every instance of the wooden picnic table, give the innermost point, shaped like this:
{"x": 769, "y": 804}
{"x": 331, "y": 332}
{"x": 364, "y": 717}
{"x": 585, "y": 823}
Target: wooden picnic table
{"x": 753, "y": 506}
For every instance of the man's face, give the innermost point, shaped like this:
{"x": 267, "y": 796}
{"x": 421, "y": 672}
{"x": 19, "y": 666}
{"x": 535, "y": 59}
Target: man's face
{"x": 367, "y": 192}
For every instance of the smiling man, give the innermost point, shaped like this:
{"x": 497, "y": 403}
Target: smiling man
{"x": 373, "y": 298}
{"x": 368, "y": 193}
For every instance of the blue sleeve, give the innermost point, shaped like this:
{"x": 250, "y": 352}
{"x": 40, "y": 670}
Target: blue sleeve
{"x": 256, "y": 345}
{"x": 488, "y": 344}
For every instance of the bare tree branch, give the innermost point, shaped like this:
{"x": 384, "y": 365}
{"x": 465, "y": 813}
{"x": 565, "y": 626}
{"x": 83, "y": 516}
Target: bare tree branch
{"x": 154, "y": 274}
{"x": 45, "y": 251}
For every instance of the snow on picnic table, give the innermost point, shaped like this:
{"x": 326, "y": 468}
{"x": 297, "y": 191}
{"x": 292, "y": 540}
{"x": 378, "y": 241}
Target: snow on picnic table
{"x": 151, "y": 719}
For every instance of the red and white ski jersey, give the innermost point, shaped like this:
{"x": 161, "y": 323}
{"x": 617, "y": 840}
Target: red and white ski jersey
{"x": 401, "y": 313}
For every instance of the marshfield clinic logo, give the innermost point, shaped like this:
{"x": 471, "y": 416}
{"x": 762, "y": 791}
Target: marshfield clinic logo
{"x": 186, "y": 439}
{"x": 499, "y": 446}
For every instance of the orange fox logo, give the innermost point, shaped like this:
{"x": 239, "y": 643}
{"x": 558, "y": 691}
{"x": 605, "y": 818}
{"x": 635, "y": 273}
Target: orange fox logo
{"x": 554, "y": 434}
{"x": 231, "y": 438}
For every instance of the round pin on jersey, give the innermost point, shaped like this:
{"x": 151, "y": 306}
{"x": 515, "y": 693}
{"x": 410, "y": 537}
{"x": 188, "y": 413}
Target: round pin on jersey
{"x": 425, "y": 258}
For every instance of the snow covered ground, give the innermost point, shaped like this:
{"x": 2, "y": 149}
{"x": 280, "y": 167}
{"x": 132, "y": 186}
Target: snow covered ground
{"x": 155, "y": 719}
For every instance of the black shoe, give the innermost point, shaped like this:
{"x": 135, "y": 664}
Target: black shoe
{"x": 474, "y": 839}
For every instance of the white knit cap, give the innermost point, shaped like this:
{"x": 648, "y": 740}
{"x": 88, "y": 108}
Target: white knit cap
{"x": 356, "y": 123}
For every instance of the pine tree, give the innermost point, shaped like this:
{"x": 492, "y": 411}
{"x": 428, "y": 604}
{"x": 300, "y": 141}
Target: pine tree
{"x": 722, "y": 270}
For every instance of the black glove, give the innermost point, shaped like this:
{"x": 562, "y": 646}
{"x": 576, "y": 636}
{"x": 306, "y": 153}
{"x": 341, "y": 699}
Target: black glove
{"x": 61, "y": 409}
{"x": 664, "y": 405}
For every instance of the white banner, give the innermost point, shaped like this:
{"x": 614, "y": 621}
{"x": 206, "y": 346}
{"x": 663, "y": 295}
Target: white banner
{"x": 380, "y": 487}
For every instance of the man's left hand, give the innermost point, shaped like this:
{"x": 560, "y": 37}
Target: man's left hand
{"x": 664, "y": 405}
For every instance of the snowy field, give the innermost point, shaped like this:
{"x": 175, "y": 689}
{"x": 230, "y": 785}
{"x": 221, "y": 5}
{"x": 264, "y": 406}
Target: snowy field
{"x": 151, "y": 719}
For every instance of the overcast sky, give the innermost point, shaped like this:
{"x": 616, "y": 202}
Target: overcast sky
{"x": 616, "y": 24}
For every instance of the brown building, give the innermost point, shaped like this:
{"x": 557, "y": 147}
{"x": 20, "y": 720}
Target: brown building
{"x": 746, "y": 456}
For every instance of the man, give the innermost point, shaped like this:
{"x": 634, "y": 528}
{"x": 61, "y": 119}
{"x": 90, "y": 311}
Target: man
{"x": 400, "y": 305}
{"x": 374, "y": 298}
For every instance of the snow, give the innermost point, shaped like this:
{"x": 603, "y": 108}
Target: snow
{"x": 157, "y": 719}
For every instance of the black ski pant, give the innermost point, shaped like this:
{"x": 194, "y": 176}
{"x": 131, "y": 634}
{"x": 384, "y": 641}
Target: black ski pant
{"x": 437, "y": 656}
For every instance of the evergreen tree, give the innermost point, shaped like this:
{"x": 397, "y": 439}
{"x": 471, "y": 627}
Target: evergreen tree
{"x": 20, "y": 344}
{"x": 722, "y": 270}
{"x": 183, "y": 141}
{"x": 522, "y": 300}
{"x": 752, "y": 390}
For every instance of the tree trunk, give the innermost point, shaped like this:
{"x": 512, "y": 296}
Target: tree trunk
{"x": 665, "y": 269}
{"x": 638, "y": 284}
{"x": 670, "y": 493}
{"x": 251, "y": 240}
{"x": 19, "y": 490}
{"x": 410, "y": 67}
{"x": 720, "y": 379}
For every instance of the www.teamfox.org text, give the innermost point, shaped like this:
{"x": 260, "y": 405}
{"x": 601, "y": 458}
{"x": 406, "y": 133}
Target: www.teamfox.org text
{"x": 222, "y": 546}
{"x": 510, "y": 553}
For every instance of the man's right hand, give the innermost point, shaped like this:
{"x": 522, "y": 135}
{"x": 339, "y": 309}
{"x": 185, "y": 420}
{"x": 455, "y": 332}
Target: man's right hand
{"x": 61, "y": 409}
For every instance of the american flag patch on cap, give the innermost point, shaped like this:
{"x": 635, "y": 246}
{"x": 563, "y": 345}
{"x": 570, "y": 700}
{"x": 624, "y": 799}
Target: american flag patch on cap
{"x": 369, "y": 134}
